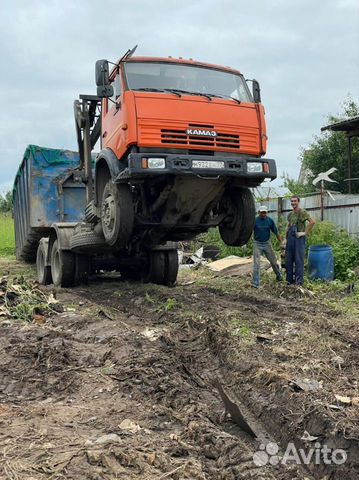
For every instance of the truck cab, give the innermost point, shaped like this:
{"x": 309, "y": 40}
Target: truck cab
{"x": 187, "y": 139}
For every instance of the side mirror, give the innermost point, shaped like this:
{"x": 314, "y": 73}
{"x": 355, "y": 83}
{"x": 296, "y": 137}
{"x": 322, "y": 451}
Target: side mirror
{"x": 104, "y": 89}
{"x": 256, "y": 91}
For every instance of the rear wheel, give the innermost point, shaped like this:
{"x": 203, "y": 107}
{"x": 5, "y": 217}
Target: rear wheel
{"x": 163, "y": 267}
{"x": 62, "y": 266}
{"x": 237, "y": 227}
{"x": 117, "y": 214}
{"x": 43, "y": 270}
{"x": 171, "y": 270}
{"x": 157, "y": 267}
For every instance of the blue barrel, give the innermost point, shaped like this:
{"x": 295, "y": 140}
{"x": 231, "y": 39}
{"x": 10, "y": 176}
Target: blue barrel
{"x": 320, "y": 262}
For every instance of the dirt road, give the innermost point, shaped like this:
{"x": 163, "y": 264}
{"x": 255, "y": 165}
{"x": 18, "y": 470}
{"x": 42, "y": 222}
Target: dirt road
{"x": 120, "y": 383}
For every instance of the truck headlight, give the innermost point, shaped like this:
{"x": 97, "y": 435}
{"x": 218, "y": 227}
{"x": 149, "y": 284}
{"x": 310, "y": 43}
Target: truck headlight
{"x": 153, "y": 162}
{"x": 254, "y": 167}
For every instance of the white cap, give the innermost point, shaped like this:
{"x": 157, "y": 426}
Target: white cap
{"x": 263, "y": 208}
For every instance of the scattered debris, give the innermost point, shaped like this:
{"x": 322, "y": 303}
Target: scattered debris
{"x": 264, "y": 338}
{"x": 344, "y": 400}
{"x": 235, "y": 266}
{"x": 335, "y": 407}
{"x": 152, "y": 333}
{"x": 197, "y": 259}
{"x": 338, "y": 361}
{"x": 307, "y": 437}
{"x": 129, "y": 425}
{"x": 200, "y": 256}
{"x": 233, "y": 409}
{"x": 106, "y": 439}
{"x": 306, "y": 384}
{"x": 38, "y": 319}
{"x": 187, "y": 284}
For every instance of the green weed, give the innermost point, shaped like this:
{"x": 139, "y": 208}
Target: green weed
{"x": 170, "y": 304}
{"x": 22, "y": 299}
{"x": 244, "y": 331}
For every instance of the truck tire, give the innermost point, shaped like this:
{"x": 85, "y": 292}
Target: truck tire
{"x": 86, "y": 242}
{"x": 157, "y": 267}
{"x": 163, "y": 267}
{"x": 117, "y": 214}
{"x": 171, "y": 268}
{"x": 43, "y": 271}
{"x": 236, "y": 229}
{"x": 62, "y": 266}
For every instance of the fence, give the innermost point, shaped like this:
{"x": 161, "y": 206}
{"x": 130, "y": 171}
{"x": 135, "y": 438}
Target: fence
{"x": 342, "y": 210}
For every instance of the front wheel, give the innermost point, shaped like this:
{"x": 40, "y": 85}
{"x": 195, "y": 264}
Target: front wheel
{"x": 237, "y": 227}
{"x": 117, "y": 214}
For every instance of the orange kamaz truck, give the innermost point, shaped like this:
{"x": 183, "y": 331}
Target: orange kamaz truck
{"x": 181, "y": 144}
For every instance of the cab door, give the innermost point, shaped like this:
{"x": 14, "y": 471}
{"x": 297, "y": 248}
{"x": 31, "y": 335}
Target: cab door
{"x": 112, "y": 135}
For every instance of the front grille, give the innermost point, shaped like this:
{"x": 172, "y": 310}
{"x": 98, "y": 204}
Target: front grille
{"x": 180, "y": 137}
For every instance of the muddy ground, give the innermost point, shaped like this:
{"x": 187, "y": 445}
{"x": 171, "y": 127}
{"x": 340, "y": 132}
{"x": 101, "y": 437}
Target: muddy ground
{"x": 118, "y": 381}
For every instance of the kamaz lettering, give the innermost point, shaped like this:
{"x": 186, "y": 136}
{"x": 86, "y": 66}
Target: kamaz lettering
{"x": 203, "y": 133}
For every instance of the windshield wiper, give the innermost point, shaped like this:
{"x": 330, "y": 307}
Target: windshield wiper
{"x": 173, "y": 90}
{"x": 177, "y": 91}
{"x": 150, "y": 89}
{"x": 217, "y": 95}
{"x": 207, "y": 95}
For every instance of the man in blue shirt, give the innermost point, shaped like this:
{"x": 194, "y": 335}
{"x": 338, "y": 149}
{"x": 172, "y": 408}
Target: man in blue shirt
{"x": 263, "y": 227}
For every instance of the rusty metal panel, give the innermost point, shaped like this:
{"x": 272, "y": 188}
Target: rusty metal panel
{"x": 46, "y": 190}
{"x": 343, "y": 210}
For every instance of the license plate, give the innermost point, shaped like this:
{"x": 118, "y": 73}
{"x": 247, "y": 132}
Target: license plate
{"x": 207, "y": 164}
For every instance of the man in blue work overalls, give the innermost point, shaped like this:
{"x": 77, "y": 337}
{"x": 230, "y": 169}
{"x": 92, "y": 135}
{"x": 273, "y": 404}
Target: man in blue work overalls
{"x": 263, "y": 227}
{"x": 295, "y": 249}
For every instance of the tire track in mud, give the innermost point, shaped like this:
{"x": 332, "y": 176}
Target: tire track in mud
{"x": 145, "y": 355}
{"x": 70, "y": 384}
{"x": 174, "y": 370}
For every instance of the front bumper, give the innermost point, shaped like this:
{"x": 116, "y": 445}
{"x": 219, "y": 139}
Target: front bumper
{"x": 176, "y": 164}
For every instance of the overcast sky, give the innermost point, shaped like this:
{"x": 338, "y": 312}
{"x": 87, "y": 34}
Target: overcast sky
{"x": 303, "y": 52}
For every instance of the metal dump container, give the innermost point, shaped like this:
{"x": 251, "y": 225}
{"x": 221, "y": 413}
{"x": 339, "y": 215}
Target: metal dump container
{"x": 48, "y": 188}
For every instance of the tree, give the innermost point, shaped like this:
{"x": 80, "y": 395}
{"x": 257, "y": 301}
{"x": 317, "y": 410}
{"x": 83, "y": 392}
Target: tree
{"x": 296, "y": 187}
{"x": 6, "y": 203}
{"x": 330, "y": 149}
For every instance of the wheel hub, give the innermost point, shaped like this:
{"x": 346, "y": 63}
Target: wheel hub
{"x": 108, "y": 212}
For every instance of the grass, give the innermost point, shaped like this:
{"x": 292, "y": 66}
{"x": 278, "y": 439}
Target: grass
{"x": 7, "y": 238}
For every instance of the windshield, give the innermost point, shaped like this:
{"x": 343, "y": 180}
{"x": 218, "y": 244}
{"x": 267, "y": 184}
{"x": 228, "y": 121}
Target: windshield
{"x": 185, "y": 78}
